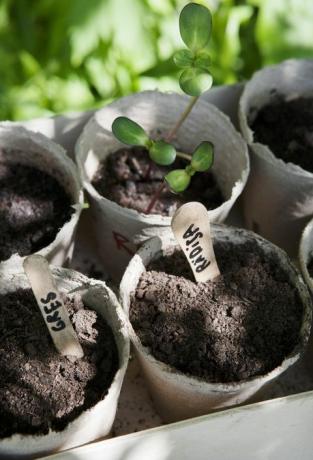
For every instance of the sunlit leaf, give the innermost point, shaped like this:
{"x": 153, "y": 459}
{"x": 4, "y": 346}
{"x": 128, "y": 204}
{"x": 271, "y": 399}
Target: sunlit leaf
{"x": 178, "y": 180}
{"x": 195, "y": 81}
{"x": 29, "y": 64}
{"x": 195, "y": 24}
{"x": 183, "y": 58}
{"x": 203, "y": 60}
{"x": 284, "y": 29}
{"x": 129, "y": 132}
{"x": 162, "y": 153}
{"x": 203, "y": 157}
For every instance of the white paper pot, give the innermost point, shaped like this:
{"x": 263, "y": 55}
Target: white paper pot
{"x": 176, "y": 395}
{"x": 277, "y": 200}
{"x": 306, "y": 253}
{"x": 97, "y": 421}
{"x": 305, "y": 257}
{"x": 34, "y": 149}
{"x": 156, "y": 111}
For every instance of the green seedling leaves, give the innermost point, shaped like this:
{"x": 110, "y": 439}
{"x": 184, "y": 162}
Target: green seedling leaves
{"x": 183, "y": 58}
{"x": 203, "y": 157}
{"x": 201, "y": 160}
{"x": 195, "y": 24}
{"x": 178, "y": 180}
{"x": 190, "y": 170}
{"x": 195, "y": 81}
{"x": 202, "y": 60}
{"x": 162, "y": 153}
{"x": 129, "y": 132}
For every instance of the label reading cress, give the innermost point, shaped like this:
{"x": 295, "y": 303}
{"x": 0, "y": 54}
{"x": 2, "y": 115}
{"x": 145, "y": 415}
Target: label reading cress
{"x": 50, "y": 308}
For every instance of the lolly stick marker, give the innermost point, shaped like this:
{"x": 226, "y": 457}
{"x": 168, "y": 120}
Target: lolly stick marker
{"x": 52, "y": 307}
{"x": 191, "y": 228}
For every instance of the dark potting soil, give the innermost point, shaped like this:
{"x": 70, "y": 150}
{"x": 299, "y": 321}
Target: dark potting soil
{"x": 33, "y": 207}
{"x": 39, "y": 388}
{"x": 241, "y": 325}
{"x": 123, "y": 179}
{"x": 287, "y": 128}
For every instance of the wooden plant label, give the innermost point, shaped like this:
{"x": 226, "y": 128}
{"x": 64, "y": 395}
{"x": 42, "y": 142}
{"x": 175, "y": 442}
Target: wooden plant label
{"x": 191, "y": 227}
{"x": 52, "y": 307}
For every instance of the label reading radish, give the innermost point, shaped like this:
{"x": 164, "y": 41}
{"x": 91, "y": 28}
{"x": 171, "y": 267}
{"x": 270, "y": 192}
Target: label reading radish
{"x": 191, "y": 227}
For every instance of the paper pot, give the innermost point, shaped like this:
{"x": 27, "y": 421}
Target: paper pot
{"x": 306, "y": 253}
{"x": 305, "y": 257}
{"x": 97, "y": 421}
{"x": 176, "y": 395}
{"x": 34, "y": 149}
{"x": 116, "y": 226}
{"x": 277, "y": 200}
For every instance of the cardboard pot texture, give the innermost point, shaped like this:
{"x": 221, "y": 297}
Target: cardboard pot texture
{"x": 176, "y": 395}
{"x": 305, "y": 257}
{"x": 34, "y": 149}
{"x": 116, "y": 226}
{"x": 97, "y": 421}
{"x": 277, "y": 200}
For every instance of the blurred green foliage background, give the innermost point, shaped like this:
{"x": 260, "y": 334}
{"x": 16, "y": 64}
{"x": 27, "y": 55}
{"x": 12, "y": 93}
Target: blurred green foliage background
{"x": 68, "y": 55}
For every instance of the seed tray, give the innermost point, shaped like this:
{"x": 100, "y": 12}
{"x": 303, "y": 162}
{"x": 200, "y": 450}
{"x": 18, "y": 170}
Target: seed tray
{"x": 277, "y": 428}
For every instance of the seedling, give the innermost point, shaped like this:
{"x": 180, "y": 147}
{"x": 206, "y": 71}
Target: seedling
{"x": 195, "y": 24}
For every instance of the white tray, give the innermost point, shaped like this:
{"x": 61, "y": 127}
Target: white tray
{"x": 278, "y": 428}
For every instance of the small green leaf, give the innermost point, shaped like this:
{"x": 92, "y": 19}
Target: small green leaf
{"x": 178, "y": 180}
{"x": 203, "y": 157}
{"x": 162, "y": 153}
{"x": 195, "y": 24}
{"x": 195, "y": 81}
{"x": 203, "y": 60}
{"x": 190, "y": 170}
{"x": 129, "y": 132}
{"x": 183, "y": 58}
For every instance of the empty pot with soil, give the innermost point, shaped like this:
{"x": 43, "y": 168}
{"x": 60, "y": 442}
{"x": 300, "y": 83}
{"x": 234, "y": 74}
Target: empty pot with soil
{"x": 207, "y": 346}
{"x": 276, "y": 118}
{"x": 116, "y": 179}
{"x": 41, "y": 198}
{"x": 48, "y": 402}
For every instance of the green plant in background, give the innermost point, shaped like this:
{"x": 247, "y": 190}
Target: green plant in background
{"x": 59, "y": 56}
{"x": 195, "y": 24}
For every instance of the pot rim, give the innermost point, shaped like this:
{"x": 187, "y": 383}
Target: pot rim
{"x": 76, "y": 194}
{"x": 167, "y": 240}
{"x": 80, "y": 283}
{"x": 262, "y": 150}
{"x": 305, "y": 253}
{"x": 157, "y": 219}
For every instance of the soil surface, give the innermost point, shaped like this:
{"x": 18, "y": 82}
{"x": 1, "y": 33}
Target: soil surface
{"x": 39, "y": 388}
{"x": 123, "y": 179}
{"x": 287, "y": 128}
{"x": 33, "y": 207}
{"x": 241, "y": 325}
